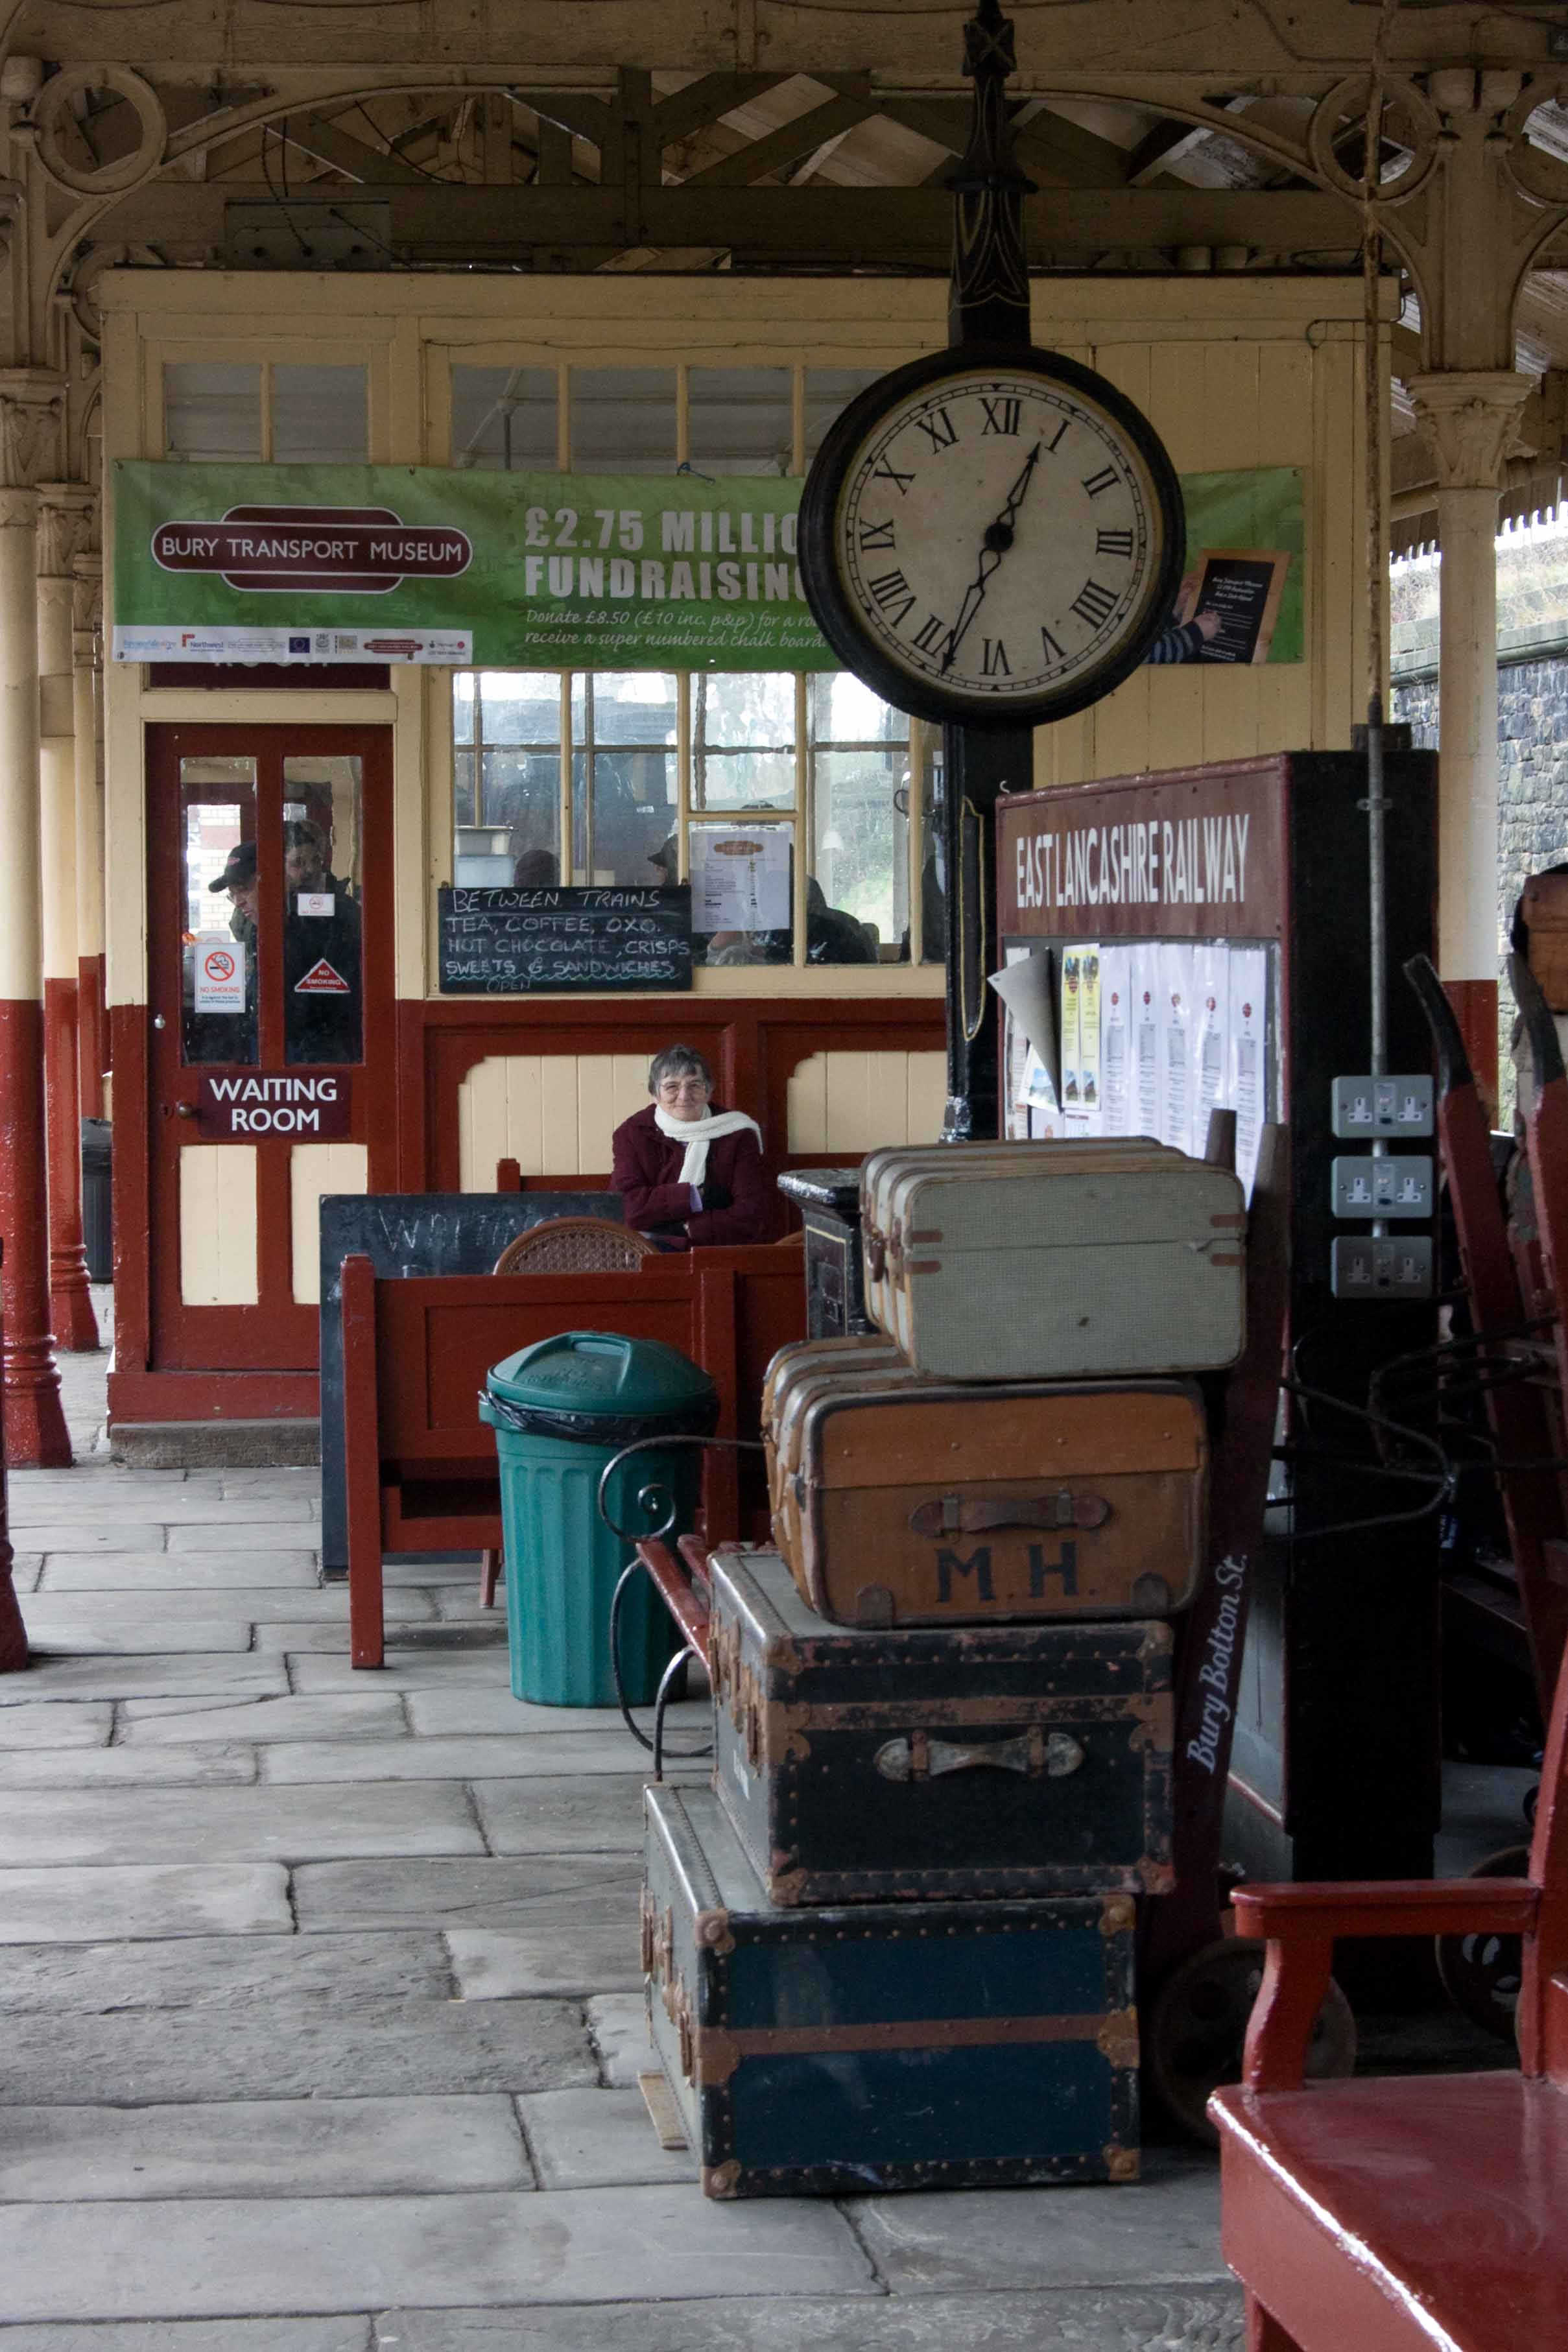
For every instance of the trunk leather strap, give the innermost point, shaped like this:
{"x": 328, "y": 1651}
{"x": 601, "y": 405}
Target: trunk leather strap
{"x": 968, "y": 1515}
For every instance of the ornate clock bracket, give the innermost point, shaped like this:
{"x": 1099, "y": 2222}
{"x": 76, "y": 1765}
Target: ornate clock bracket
{"x": 988, "y": 302}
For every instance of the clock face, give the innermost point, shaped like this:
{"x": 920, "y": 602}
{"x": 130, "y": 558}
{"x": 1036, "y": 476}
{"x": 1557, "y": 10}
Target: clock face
{"x": 996, "y": 539}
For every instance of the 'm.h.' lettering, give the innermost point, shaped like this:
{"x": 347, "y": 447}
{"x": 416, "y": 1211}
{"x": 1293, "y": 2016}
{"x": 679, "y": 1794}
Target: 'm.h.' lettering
{"x": 949, "y": 1565}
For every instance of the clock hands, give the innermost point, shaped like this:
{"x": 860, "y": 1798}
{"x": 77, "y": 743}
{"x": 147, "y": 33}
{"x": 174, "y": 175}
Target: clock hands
{"x": 997, "y": 540}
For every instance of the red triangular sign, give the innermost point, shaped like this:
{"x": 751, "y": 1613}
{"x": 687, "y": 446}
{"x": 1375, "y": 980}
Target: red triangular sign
{"x": 322, "y": 980}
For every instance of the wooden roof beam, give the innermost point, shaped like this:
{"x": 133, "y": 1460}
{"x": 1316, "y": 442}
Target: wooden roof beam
{"x": 314, "y": 135}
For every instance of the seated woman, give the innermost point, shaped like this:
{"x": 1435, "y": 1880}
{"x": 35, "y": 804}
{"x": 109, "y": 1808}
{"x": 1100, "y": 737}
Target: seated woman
{"x": 689, "y": 1172}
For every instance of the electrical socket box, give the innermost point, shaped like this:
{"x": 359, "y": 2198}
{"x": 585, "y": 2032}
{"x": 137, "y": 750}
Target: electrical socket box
{"x": 1367, "y": 1107}
{"x": 1399, "y": 1268}
{"x": 1394, "y": 1187}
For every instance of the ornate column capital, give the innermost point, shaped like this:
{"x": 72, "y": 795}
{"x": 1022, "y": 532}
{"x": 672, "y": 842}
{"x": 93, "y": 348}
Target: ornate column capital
{"x": 1468, "y": 417}
{"x": 68, "y": 517}
{"x": 32, "y": 404}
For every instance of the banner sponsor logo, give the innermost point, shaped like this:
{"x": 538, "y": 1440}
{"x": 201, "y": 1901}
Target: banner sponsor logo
{"x": 349, "y": 551}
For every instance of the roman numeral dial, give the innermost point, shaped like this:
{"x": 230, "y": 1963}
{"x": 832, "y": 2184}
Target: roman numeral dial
{"x": 992, "y": 542}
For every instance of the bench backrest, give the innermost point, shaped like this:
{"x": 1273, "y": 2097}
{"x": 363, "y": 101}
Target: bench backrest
{"x": 437, "y": 1335}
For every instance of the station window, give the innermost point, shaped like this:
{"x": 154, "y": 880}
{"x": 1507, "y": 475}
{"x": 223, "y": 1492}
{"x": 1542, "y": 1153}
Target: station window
{"x": 717, "y": 778}
{"x": 273, "y": 411}
{"x": 643, "y": 777}
{"x": 647, "y": 420}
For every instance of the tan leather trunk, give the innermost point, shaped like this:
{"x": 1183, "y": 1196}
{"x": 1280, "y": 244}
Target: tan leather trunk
{"x": 902, "y": 1498}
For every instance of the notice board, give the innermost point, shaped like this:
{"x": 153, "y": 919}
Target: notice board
{"x": 498, "y": 941}
{"x": 1200, "y": 938}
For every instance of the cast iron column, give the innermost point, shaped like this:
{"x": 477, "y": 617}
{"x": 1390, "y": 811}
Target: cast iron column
{"x": 35, "y": 1433}
{"x": 65, "y": 522}
{"x": 988, "y": 303}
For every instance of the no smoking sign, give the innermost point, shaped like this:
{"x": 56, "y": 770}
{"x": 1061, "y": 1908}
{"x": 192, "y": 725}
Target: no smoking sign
{"x": 220, "y": 978}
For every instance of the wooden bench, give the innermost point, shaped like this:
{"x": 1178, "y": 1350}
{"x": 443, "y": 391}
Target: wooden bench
{"x": 420, "y": 1466}
{"x": 1403, "y": 2214}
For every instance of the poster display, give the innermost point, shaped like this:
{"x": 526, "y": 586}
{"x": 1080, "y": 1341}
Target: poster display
{"x": 1211, "y": 1034}
{"x": 1146, "y": 1039}
{"x": 741, "y": 877}
{"x": 1248, "y": 1056}
{"x": 1116, "y": 1096}
{"x": 1071, "y": 1034}
{"x": 1166, "y": 1032}
{"x": 1089, "y": 1039}
{"x": 1174, "y": 1001}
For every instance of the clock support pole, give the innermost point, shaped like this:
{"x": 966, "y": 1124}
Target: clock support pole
{"x": 988, "y": 302}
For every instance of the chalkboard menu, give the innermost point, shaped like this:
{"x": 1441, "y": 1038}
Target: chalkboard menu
{"x": 495, "y": 942}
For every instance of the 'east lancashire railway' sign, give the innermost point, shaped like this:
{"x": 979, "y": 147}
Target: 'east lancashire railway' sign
{"x": 245, "y": 1103}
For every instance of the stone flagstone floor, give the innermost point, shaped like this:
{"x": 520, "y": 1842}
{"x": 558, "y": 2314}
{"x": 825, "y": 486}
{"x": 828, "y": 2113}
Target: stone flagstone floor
{"x": 323, "y": 2007}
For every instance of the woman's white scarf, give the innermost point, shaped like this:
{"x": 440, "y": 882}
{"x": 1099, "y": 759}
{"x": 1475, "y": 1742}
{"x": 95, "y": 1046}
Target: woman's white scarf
{"x": 697, "y": 1134}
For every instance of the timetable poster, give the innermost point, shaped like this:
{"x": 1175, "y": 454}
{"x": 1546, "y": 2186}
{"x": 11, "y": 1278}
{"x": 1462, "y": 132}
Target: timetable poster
{"x": 1145, "y": 992}
{"x": 1088, "y": 1033}
{"x": 1116, "y": 1095}
{"x": 1211, "y": 1039}
{"x": 1247, "y": 1073}
{"x": 1071, "y": 1034}
{"x": 1174, "y": 1002}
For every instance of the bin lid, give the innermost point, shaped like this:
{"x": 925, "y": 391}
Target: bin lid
{"x": 601, "y": 1373}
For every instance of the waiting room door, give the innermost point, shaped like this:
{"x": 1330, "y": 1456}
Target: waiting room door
{"x": 271, "y": 984}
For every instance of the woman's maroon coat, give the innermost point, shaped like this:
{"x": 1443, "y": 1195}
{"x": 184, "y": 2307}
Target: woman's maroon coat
{"x": 647, "y": 1176}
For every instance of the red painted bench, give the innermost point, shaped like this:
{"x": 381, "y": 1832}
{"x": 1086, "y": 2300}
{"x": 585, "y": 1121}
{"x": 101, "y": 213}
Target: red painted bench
{"x": 420, "y": 1466}
{"x": 1403, "y": 2214}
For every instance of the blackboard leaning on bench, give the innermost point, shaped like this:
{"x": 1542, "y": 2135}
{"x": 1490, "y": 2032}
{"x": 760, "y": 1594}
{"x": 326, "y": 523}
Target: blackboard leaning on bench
{"x": 411, "y": 1233}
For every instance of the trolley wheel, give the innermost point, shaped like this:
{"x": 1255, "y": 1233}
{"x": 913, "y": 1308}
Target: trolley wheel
{"x": 1480, "y": 1972}
{"x": 1197, "y": 2023}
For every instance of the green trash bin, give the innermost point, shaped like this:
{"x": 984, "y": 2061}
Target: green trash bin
{"x": 561, "y": 1409}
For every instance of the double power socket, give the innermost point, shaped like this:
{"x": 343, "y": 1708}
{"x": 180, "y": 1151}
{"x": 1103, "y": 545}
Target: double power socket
{"x": 1385, "y": 1187}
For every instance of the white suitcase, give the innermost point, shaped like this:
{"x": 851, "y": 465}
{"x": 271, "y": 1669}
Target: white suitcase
{"x": 1104, "y": 1259}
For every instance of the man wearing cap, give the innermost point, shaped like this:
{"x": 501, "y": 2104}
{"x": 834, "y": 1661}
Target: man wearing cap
{"x": 321, "y": 949}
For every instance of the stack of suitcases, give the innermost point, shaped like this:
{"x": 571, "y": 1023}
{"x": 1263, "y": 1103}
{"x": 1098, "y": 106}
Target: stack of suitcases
{"x": 893, "y": 1947}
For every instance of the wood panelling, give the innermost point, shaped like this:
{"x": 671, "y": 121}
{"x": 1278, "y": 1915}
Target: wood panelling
{"x": 547, "y": 1082}
{"x": 552, "y": 1113}
{"x": 315, "y": 1169}
{"x": 846, "y": 1104}
{"x": 217, "y": 1225}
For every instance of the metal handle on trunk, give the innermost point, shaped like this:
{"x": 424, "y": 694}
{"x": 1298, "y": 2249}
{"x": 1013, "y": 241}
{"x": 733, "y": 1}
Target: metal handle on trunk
{"x": 1034, "y": 1754}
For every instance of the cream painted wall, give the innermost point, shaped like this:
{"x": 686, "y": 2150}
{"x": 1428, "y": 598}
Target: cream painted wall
{"x": 315, "y": 1169}
{"x": 852, "y": 1103}
{"x": 1234, "y": 370}
{"x": 217, "y": 1225}
{"x": 554, "y": 1114}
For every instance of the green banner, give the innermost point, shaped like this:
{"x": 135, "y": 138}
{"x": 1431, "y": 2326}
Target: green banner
{"x": 671, "y": 571}
{"x": 415, "y": 564}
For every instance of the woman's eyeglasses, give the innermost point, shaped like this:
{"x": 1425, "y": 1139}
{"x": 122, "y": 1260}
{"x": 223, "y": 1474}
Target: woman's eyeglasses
{"x": 673, "y": 1088}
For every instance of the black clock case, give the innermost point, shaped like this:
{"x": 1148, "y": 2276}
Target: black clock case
{"x": 835, "y": 614}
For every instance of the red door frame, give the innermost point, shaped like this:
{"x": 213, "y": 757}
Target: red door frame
{"x": 275, "y": 1335}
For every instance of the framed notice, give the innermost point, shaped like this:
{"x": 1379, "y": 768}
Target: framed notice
{"x": 1238, "y": 589}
